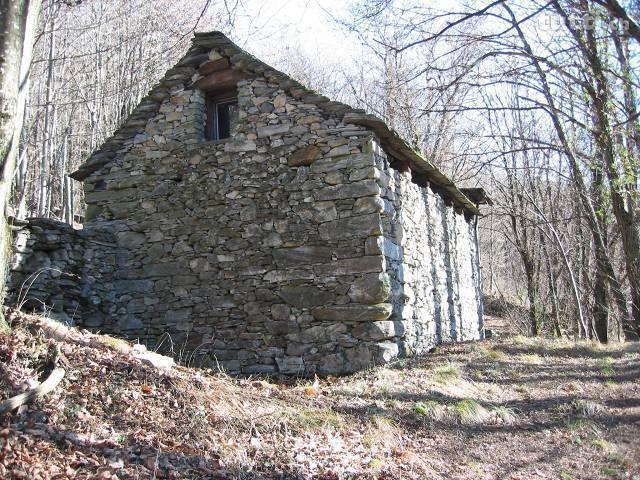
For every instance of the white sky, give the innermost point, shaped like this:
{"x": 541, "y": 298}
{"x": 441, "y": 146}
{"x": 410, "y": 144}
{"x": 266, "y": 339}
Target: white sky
{"x": 264, "y": 24}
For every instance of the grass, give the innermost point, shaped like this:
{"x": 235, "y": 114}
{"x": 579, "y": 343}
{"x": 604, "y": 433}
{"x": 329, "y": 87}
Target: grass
{"x": 602, "y": 444}
{"x": 431, "y": 410}
{"x": 382, "y": 432}
{"x": 522, "y": 340}
{"x": 466, "y": 411}
{"x": 618, "y": 466}
{"x": 355, "y": 388}
{"x": 579, "y": 424}
{"x": 491, "y": 353}
{"x": 507, "y": 415}
{"x": 385, "y": 382}
{"x": 305, "y": 419}
{"x": 446, "y": 373}
{"x": 470, "y": 412}
{"x": 116, "y": 344}
{"x": 605, "y": 366}
{"x": 531, "y": 358}
{"x": 588, "y": 408}
{"x": 435, "y": 406}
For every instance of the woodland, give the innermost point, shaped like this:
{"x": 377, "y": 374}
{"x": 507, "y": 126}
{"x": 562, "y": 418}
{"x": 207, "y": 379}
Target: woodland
{"x": 536, "y": 101}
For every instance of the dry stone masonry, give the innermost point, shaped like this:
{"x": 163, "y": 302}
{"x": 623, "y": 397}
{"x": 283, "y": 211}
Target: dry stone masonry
{"x": 313, "y": 240}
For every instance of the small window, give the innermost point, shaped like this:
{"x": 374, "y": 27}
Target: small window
{"x": 222, "y": 115}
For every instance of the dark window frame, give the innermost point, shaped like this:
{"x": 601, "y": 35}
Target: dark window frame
{"x": 214, "y": 130}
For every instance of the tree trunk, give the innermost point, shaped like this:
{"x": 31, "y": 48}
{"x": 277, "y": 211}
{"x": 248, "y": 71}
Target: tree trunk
{"x": 18, "y": 19}
{"x": 600, "y": 291}
{"x": 520, "y": 239}
{"x": 44, "y": 197}
{"x": 622, "y": 189}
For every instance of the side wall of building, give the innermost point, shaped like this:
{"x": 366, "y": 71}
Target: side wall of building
{"x": 433, "y": 263}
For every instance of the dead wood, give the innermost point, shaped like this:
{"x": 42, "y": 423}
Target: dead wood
{"x": 41, "y": 390}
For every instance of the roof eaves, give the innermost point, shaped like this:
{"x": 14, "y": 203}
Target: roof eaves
{"x": 390, "y": 139}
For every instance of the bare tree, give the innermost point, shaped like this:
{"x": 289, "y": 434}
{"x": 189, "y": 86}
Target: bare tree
{"x": 17, "y": 27}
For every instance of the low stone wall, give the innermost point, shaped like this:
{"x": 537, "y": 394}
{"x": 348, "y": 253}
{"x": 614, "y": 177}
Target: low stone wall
{"x": 65, "y": 273}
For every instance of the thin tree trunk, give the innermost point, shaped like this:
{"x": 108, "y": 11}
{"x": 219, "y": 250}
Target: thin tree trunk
{"x": 600, "y": 291}
{"x": 49, "y": 123}
{"x": 528, "y": 266}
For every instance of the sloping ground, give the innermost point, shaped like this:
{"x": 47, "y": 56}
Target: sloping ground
{"x": 507, "y": 408}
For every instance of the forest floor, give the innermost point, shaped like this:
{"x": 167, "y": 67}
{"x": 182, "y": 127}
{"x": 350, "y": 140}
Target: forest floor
{"x": 505, "y": 408}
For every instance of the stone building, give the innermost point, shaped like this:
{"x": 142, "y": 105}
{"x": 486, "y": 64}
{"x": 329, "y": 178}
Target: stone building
{"x": 249, "y": 222}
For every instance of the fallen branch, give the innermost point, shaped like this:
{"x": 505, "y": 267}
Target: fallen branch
{"x": 41, "y": 390}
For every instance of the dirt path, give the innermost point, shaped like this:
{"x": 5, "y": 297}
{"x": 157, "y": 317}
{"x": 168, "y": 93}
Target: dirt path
{"x": 510, "y": 408}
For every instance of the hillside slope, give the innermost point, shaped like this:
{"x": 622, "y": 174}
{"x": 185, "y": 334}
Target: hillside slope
{"x": 506, "y": 408}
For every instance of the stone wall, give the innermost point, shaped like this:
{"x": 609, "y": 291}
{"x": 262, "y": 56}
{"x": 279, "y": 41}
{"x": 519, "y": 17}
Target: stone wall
{"x": 433, "y": 264}
{"x": 291, "y": 247}
{"x": 65, "y": 273}
{"x": 249, "y": 252}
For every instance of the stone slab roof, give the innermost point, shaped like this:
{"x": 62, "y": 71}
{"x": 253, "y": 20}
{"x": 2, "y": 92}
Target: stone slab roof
{"x": 182, "y": 72}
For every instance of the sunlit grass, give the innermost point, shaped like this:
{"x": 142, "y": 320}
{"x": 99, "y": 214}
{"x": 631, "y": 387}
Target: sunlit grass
{"x": 605, "y": 366}
{"x": 431, "y": 410}
{"x": 588, "y": 408}
{"x": 381, "y": 432}
{"x": 531, "y": 358}
{"x": 469, "y": 411}
{"x": 313, "y": 420}
{"x": 602, "y": 444}
{"x": 446, "y": 373}
{"x": 579, "y": 424}
{"x": 507, "y": 415}
{"x": 490, "y": 353}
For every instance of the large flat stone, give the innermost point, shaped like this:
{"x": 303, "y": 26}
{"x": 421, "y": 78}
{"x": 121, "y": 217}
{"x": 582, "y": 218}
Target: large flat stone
{"x": 122, "y": 209}
{"x": 287, "y": 275}
{"x": 353, "y": 312}
{"x": 133, "y": 286}
{"x": 379, "y": 330}
{"x": 349, "y": 161}
{"x": 240, "y": 146}
{"x": 323, "y": 212}
{"x": 380, "y": 245}
{"x": 349, "y": 190}
{"x": 387, "y": 351}
{"x": 126, "y": 323}
{"x": 164, "y": 269}
{"x": 291, "y": 257}
{"x": 269, "y": 130}
{"x": 305, "y": 296}
{"x": 349, "y": 266}
{"x": 352, "y": 227}
{"x": 370, "y": 289}
{"x": 130, "y": 239}
{"x": 364, "y": 205}
{"x": 290, "y": 365}
{"x": 110, "y": 195}
{"x": 304, "y": 156}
